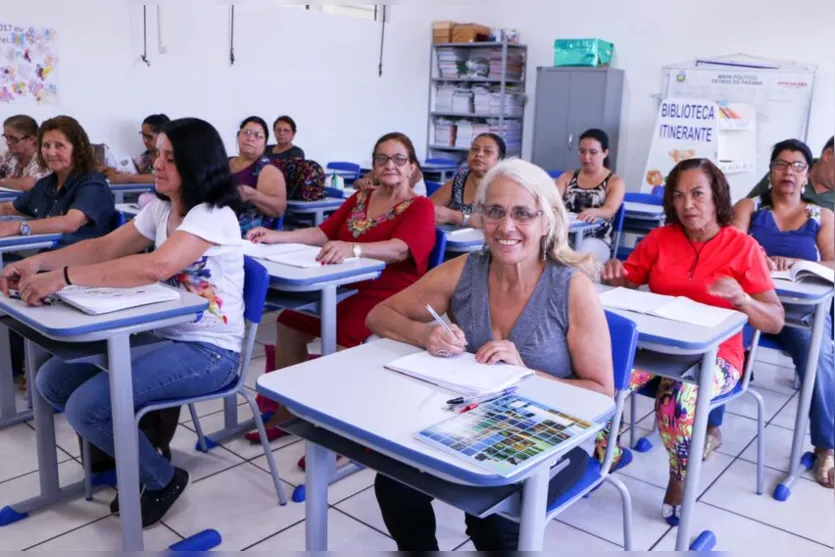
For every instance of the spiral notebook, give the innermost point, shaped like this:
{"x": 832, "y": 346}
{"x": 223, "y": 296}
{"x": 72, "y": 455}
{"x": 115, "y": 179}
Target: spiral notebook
{"x": 97, "y": 301}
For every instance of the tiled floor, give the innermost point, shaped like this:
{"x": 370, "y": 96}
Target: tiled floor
{"x": 231, "y": 492}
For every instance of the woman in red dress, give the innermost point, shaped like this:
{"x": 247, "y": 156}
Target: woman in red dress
{"x": 390, "y": 223}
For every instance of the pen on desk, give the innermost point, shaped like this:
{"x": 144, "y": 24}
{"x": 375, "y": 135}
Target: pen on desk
{"x": 438, "y": 319}
{"x": 468, "y": 407}
{"x": 482, "y": 398}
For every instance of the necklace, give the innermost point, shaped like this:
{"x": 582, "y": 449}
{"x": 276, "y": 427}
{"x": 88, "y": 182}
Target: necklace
{"x": 698, "y": 251}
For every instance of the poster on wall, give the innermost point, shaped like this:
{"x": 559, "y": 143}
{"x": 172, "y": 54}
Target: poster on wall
{"x": 781, "y": 96}
{"x": 28, "y": 61}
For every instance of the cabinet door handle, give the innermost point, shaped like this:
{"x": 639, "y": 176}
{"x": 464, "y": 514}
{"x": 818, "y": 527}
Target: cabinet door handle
{"x": 570, "y": 140}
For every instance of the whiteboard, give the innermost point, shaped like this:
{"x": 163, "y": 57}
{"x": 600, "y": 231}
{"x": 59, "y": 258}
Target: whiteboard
{"x": 782, "y": 98}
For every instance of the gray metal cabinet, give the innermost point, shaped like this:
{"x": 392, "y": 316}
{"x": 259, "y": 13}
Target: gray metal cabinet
{"x": 569, "y": 101}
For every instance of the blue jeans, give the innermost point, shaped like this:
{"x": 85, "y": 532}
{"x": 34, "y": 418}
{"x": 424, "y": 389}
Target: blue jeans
{"x": 182, "y": 369}
{"x": 822, "y": 413}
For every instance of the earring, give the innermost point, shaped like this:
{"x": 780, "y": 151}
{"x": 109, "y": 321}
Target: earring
{"x": 543, "y": 248}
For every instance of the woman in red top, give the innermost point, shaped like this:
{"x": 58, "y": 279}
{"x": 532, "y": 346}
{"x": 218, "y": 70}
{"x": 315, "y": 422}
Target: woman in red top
{"x": 390, "y": 223}
{"x": 698, "y": 254}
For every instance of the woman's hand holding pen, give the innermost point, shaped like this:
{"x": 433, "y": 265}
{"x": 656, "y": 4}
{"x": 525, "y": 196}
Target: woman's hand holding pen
{"x": 445, "y": 342}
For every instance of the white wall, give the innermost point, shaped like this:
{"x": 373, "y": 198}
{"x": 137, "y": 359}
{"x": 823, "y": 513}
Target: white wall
{"x": 322, "y": 69}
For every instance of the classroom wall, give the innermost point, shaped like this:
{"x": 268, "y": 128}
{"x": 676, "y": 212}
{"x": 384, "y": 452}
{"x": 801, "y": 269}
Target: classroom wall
{"x": 653, "y": 33}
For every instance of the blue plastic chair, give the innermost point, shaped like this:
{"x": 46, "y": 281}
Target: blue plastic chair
{"x": 437, "y": 255}
{"x": 442, "y": 161}
{"x": 751, "y": 340}
{"x": 555, "y": 173}
{"x": 346, "y": 166}
{"x": 634, "y": 197}
{"x": 648, "y": 198}
{"x": 256, "y": 284}
{"x": 617, "y": 227}
{"x": 432, "y": 187}
{"x": 658, "y": 190}
{"x": 117, "y": 220}
{"x": 624, "y": 334}
{"x": 334, "y": 192}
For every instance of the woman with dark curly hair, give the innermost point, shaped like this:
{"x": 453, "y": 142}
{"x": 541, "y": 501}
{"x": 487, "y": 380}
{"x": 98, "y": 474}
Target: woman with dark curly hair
{"x": 74, "y": 200}
{"x": 197, "y": 249}
{"x": 701, "y": 256}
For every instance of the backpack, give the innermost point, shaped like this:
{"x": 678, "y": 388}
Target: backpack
{"x": 305, "y": 179}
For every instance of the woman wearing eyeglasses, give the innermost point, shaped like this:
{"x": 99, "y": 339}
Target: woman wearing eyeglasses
{"x": 790, "y": 228}
{"x": 261, "y": 185}
{"x": 151, "y": 128}
{"x": 699, "y": 255}
{"x": 20, "y": 166}
{"x": 389, "y": 223}
{"x": 511, "y": 302}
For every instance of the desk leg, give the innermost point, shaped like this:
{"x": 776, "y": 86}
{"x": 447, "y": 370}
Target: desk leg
{"x": 125, "y": 438}
{"x": 801, "y": 420}
{"x": 44, "y": 424}
{"x": 697, "y": 444}
{"x": 317, "y": 459}
{"x": 328, "y": 320}
{"x": 532, "y": 515}
{"x": 318, "y": 217}
{"x": 9, "y": 415}
{"x": 578, "y": 240}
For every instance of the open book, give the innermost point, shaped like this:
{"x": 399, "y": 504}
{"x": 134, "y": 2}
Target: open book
{"x": 304, "y": 258}
{"x": 461, "y": 373}
{"x": 96, "y": 301}
{"x": 804, "y": 271}
{"x": 674, "y": 308}
{"x": 263, "y": 251}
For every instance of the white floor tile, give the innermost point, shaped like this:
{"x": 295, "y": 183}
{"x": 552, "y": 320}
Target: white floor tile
{"x": 198, "y": 464}
{"x": 65, "y": 436}
{"x": 778, "y": 442}
{"x": 787, "y": 415}
{"x": 256, "y": 370}
{"x": 450, "y": 521}
{"x": 737, "y": 433}
{"x": 734, "y": 532}
{"x": 287, "y": 458}
{"x": 747, "y": 406}
{"x": 266, "y": 333}
{"x": 239, "y": 503}
{"x": 776, "y": 357}
{"x": 106, "y": 535}
{"x": 601, "y": 514}
{"x": 469, "y": 546}
{"x": 774, "y": 378}
{"x": 344, "y": 534}
{"x": 646, "y": 407}
{"x": 808, "y": 512}
{"x": 654, "y": 467}
{"x": 19, "y": 450}
{"x": 206, "y": 408}
{"x": 55, "y": 520}
{"x": 560, "y": 537}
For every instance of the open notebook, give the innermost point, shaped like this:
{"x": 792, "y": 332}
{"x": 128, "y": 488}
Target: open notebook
{"x": 96, "y": 301}
{"x": 263, "y": 251}
{"x": 461, "y": 373}
{"x": 674, "y": 308}
{"x": 804, "y": 271}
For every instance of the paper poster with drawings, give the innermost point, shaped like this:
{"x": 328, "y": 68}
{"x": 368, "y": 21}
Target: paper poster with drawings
{"x": 27, "y": 64}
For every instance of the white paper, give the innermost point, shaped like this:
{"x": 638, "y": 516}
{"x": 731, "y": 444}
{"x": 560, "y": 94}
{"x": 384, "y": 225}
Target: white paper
{"x": 263, "y": 251}
{"x": 97, "y": 301}
{"x": 459, "y": 232}
{"x": 685, "y": 310}
{"x": 304, "y": 258}
{"x": 630, "y": 299}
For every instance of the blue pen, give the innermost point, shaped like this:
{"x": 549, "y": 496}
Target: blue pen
{"x": 482, "y": 398}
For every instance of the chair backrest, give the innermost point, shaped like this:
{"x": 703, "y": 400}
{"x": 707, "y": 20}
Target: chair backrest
{"x": 442, "y": 161}
{"x": 437, "y": 255}
{"x": 658, "y": 190}
{"x": 617, "y": 227}
{"x": 648, "y": 198}
{"x": 555, "y": 173}
{"x": 256, "y": 285}
{"x": 333, "y": 192}
{"x": 347, "y": 166}
{"x": 116, "y": 220}
{"x": 432, "y": 187}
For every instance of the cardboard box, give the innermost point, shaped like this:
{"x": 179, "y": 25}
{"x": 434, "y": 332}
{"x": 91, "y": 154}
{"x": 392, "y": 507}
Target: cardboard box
{"x": 470, "y": 32}
{"x": 442, "y": 31}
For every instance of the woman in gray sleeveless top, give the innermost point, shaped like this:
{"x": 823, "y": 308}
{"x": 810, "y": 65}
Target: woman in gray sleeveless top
{"x": 510, "y": 302}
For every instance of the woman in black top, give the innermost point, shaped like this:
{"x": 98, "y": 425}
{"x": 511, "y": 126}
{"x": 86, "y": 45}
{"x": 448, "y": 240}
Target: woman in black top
{"x": 285, "y": 131}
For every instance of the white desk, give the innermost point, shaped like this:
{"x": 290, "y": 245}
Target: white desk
{"x": 350, "y": 174}
{"x": 669, "y": 337}
{"x": 316, "y": 209}
{"x": 129, "y": 210}
{"x": 816, "y": 298}
{"x": 469, "y": 240}
{"x": 645, "y": 211}
{"x": 120, "y": 190}
{"x": 26, "y": 243}
{"x": 55, "y": 326}
{"x": 8, "y": 194}
{"x": 382, "y": 410}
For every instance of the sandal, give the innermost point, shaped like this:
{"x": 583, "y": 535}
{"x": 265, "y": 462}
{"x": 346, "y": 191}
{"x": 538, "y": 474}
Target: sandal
{"x": 824, "y": 467}
{"x": 712, "y": 442}
{"x": 671, "y": 513}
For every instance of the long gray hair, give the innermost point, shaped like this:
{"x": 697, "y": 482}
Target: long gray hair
{"x": 540, "y": 185}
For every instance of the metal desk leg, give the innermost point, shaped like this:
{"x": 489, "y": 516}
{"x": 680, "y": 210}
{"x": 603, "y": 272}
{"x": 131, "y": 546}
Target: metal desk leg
{"x": 801, "y": 420}
{"x": 317, "y": 460}
{"x": 9, "y": 415}
{"x": 697, "y": 444}
{"x": 125, "y": 438}
{"x": 578, "y": 240}
{"x": 532, "y": 516}
{"x": 318, "y": 217}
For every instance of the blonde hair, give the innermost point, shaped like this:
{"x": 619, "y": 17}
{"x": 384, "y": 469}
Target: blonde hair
{"x": 540, "y": 185}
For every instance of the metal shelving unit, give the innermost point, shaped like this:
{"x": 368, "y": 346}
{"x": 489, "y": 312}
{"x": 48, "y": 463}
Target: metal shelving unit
{"x": 463, "y": 52}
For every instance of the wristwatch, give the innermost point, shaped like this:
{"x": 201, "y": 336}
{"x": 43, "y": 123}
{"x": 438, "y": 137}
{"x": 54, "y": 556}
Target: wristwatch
{"x": 25, "y": 229}
{"x": 357, "y": 250}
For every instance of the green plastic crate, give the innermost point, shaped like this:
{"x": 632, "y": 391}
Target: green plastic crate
{"x": 582, "y": 52}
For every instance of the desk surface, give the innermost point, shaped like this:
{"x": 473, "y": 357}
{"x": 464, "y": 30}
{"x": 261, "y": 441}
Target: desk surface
{"x": 350, "y": 271}
{"x": 62, "y": 321}
{"x": 15, "y": 241}
{"x": 802, "y": 292}
{"x": 632, "y": 207}
{"x": 132, "y": 188}
{"x": 128, "y": 208}
{"x": 384, "y": 409}
{"x": 296, "y": 206}
{"x": 680, "y": 337}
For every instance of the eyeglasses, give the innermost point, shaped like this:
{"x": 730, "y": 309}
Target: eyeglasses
{"x": 250, "y": 133}
{"x": 146, "y": 136}
{"x": 797, "y": 166}
{"x": 519, "y": 215}
{"x": 382, "y": 160}
{"x": 12, "y": 140}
